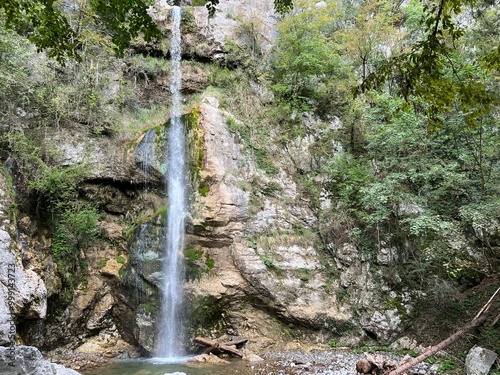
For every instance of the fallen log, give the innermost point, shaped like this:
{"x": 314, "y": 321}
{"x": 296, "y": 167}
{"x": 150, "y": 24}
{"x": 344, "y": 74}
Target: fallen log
{"x": 215, "y": 347}
{"x": 211, "y": 348}
{"x": 238, "y": 342}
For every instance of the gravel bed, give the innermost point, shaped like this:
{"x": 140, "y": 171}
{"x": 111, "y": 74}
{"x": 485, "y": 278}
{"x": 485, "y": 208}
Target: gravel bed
{"x": 335, "y": 362}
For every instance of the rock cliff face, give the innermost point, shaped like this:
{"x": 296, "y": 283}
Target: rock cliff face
{"x": 22, "y": 289}
{"x": 255, "y": 264}
{"x": 236, "y": 22}
{"x": 270, "y": 275}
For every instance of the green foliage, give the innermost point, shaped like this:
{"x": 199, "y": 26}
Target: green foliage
{"x": 206, "y": 314}
{"x": 56, "y": 186}
{"x": 271, "y": 189}
{"x": 433, "y": 69}
{"x": 304, "y": 277}
{"x": 14, "y": 71}
{"x": 147, "y": 68}
{"x": 49, "y": 28}
{"x": 334, "y": 344}
{"x": 209, "y": 261}
{"x": 9, "y": 193}
{"x": 187, "y": 21}
{"x": 83, "y": 98}
{"x": 418, "y": 190}
{"x": 76, "y": 228}
{"x": 195, "y": 266}
{"x": 150, "y": 307}
{"x": 259, "y": 151}
{"x": 78, "y": 92}
{"x": 44, "y": 24}
{"x": 447, "y": 365}
{"x": 203, "y": 190}
{"x": 53, "y": 191}
{"x": 349, "y": 177}
{"x": 148, "y": 217}
{"x": 307, "y": 61}
{"x": 269, "y": 263}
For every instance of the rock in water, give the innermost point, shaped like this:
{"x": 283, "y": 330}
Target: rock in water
{"x": 250, "y": 357}
{"x": 207, "y": 358}
{"x": 29, "y": 361}
{"x": 479, "y": 361}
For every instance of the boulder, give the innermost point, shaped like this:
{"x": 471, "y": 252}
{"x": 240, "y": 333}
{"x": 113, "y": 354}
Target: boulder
{"x": 479, "y": 361}
{"x": 145, "y": 330}
{"x": 251, "y": 357}
{"x": 208, "y": 358}
{"x": 29, "y": 361}
{"x": 384, "y": 325}
{"x": 30, "y": 297}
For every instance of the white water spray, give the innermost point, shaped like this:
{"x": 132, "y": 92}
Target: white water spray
{"x": 170, "y": 338}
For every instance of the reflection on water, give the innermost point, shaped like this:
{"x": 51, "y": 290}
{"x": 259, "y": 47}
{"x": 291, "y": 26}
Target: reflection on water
{"x": 156, "y": 366}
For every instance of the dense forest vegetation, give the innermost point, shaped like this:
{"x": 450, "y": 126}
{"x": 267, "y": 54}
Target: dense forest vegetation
{"x": 399, "y": 100}
{"x": 418, "y": 170}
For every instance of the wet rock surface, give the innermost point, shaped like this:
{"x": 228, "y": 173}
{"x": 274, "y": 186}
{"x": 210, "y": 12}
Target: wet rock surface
{"x": 29, "y": 361}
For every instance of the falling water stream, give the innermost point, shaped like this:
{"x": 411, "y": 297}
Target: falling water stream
{"x": 170, "y": 339}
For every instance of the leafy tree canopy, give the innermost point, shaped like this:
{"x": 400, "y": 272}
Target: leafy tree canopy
{"x": 425, "y": 68}
{"x": 48, "y": 25}
{"x": 429, "y": 68}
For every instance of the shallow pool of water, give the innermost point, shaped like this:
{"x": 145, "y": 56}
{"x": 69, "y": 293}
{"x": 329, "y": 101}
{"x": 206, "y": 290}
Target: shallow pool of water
{"x": 152, "y": 367}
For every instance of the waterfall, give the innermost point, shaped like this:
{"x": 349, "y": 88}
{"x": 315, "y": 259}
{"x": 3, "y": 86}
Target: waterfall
{"x": 146, "y": 154}
{"x": 170, "y": 337}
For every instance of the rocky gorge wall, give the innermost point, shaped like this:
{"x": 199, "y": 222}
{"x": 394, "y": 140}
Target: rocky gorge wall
{"x": 255, "y": 264}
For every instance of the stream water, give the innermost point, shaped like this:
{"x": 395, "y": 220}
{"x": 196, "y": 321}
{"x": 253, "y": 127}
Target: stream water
{"x": 150, "y": 367}
{"x": 170, "y": 337}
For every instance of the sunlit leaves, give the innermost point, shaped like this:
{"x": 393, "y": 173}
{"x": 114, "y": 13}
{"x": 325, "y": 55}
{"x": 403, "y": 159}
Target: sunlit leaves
{"x": 306, "y": 60}
{"x": 283, "y": 6}
{"x": 124, "y": 20}
{"x": 44, "y": 25}
{"x": 433, "y": 68}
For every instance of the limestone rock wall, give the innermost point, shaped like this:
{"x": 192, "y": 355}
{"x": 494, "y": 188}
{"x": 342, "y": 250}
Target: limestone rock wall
{"x": 264, "y": 266}
{"x": 243, "y": 23}
{"x": 22, "y": 288}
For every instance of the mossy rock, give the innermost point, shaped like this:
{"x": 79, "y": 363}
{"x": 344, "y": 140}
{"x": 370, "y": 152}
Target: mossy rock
{"x": 206, "y": 314}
